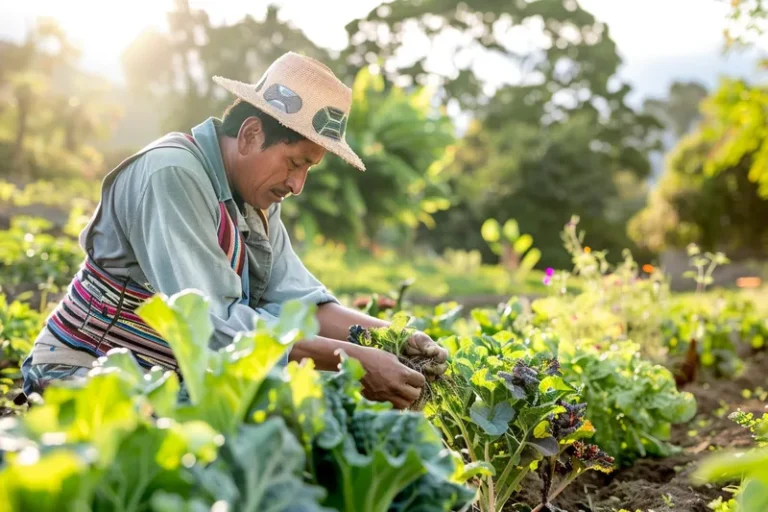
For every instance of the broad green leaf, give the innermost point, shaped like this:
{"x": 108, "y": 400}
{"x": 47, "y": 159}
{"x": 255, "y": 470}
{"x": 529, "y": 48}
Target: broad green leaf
{"x": 481, "y": 316}
{"x": 166, "y": 502}
{"x": 399, "y": 321}
{"x": 732, "y": 464}
{"x": 233, "y": 382}
{"x": 59, "y": 480}
{"x": 547, "y": 446}
{"x": 473, "y": 469}
{"x": 306, "y": 406}
{"x": 261, "y": 467}
{"x": 754, "y": 496}
{"x": 493, "y": 420}
{"x": 512, "y": 231}
{"x": 372, "y": 482}
{"x": 530, "y": 260}
{"x": 490, "y": 231}
{"x": 162, "y": 389}
{"x": 149, "y": 459}
{"x": 531, "y": 416}
{"x": 482, "y": 379}
{"x": 555, "y": 382}
{"x": 523, "y": 243}
{"x": 297, "y": 321}
{"x": 184, "y": 323}
{"x": 121, "y": 359}
{"x": 100, "y": 411}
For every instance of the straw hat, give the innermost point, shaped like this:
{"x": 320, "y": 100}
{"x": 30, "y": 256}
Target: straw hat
{"x": 304, "y": 95}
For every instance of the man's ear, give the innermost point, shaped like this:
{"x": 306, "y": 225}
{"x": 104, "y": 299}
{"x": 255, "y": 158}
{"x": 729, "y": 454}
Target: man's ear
{"x": 251, "y": 135}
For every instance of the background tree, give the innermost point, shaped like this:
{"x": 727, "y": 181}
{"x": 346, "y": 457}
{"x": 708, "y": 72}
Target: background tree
{"x": 52, "y": 112}
{"x": 715, "y": 188}
{"x": 549, "y": 140}
{"x": 680, "y": 109}
{"x": 405, "y": 144}
{"x": 174, "y": 68}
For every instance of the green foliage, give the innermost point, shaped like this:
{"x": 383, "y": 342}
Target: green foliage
{"x": 456, "y": 274}
{"x": 508, "y": 166}
{"x": 405, "y": 145}
{"x": 51, "y": 114}
{"x": 633, "y": 403}
{"x": 757, "y": 426}
{"x": 748, "y": 466}
{"x": 571, "y": 48}
{"x": 19, "y": 325}
{"x": 28, "y": 254}
{"x": 370, "y": 457}
{"x": 680, "y": 109}
{"x": 244, "y": 432}
{"x": 514, "y": 248}
{"x": 510, "y": 411}
{"x": 714, "y": 187}
{"x": 172, "y": 69}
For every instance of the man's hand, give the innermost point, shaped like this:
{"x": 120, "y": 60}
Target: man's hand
{"x": 386, "y": 378}
{"x": 422, "y": 345}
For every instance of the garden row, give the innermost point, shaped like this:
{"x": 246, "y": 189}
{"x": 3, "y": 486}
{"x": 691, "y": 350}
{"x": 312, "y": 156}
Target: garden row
{"x": 535, "y": 392}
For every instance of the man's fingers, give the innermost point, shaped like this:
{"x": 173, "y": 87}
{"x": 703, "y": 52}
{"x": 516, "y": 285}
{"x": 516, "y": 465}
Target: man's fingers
{"x": 409, "y": 393}
{"x": 441, "y": 355}
{"x": 422, "y": 345}
{"x": 414, "y": 378}
{"x": 435, "y": 369}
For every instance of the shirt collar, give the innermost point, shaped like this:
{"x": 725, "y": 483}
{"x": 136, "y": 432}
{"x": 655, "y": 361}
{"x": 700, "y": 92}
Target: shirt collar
{"x": 206, "y": 135}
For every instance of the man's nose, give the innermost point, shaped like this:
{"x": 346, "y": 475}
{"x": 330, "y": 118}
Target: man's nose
{"x": 296, "y": 180}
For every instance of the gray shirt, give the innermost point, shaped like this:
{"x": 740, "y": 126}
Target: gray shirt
{"x": 158, "y": 224}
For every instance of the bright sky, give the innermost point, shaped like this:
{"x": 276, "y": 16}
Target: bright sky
{"x": 660, "y": 40}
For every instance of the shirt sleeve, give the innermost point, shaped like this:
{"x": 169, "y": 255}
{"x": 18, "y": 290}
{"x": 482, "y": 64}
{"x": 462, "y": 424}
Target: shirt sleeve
{"x": 290, "y": 279}
{"x": 174, "y": 237}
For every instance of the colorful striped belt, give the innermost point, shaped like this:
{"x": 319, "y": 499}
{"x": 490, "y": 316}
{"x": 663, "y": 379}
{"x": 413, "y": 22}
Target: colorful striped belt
{"x": 99, "y": 311}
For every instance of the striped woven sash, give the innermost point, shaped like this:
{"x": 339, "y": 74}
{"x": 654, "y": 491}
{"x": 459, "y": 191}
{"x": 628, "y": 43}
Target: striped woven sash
{"x": 99, "y": 311}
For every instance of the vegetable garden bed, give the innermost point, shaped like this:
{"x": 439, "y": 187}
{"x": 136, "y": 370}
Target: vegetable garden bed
{"x": 664, "y": 485}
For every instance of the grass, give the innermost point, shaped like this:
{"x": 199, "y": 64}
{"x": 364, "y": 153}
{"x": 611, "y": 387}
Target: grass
{"x": 455, "y": 275}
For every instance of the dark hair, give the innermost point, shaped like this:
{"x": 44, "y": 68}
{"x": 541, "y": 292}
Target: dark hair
{"x": 274, "y": 132}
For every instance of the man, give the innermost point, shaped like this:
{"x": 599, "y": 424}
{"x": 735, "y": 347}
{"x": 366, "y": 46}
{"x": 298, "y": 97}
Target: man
{"x": 202, "y": 211}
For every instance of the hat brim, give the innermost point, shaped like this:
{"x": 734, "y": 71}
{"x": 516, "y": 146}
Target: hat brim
{"x": 247, "y": 93}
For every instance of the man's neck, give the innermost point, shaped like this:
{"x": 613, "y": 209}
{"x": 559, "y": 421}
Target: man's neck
{"x": 227, "y": 145}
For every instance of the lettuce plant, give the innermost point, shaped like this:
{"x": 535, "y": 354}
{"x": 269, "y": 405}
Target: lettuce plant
{"x": 245, "y": 432}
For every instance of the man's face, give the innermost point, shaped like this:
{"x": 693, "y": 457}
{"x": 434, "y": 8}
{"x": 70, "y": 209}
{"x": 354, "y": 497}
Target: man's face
{"x": 265, "y": 176}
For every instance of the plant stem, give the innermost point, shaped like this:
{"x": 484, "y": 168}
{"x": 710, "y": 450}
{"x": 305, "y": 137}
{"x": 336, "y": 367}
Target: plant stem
{"x": 464, "y": 434}
{"x": 491, "y": 490}
{"x": 509, "y": 489}
{"x": 559, "y": 489}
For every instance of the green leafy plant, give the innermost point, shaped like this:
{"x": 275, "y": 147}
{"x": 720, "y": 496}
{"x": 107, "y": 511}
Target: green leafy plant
{"x": 29, "y": 254}
{"x": 394, "y": 339}
{"x": 240, "y": 430}
{"x": 633, "y": 403}
{"x": 746, "y": 466}
{"x": 511, "y": 413}
{"x": 19, "y": 325}
{"x": 704, "y": 265}
{"x": 515, "y": 249}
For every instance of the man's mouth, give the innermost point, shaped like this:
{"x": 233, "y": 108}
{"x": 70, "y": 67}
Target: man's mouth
{"x": 279, "y": 194}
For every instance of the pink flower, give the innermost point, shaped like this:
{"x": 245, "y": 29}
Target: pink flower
{"x": 550, "y": 272}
